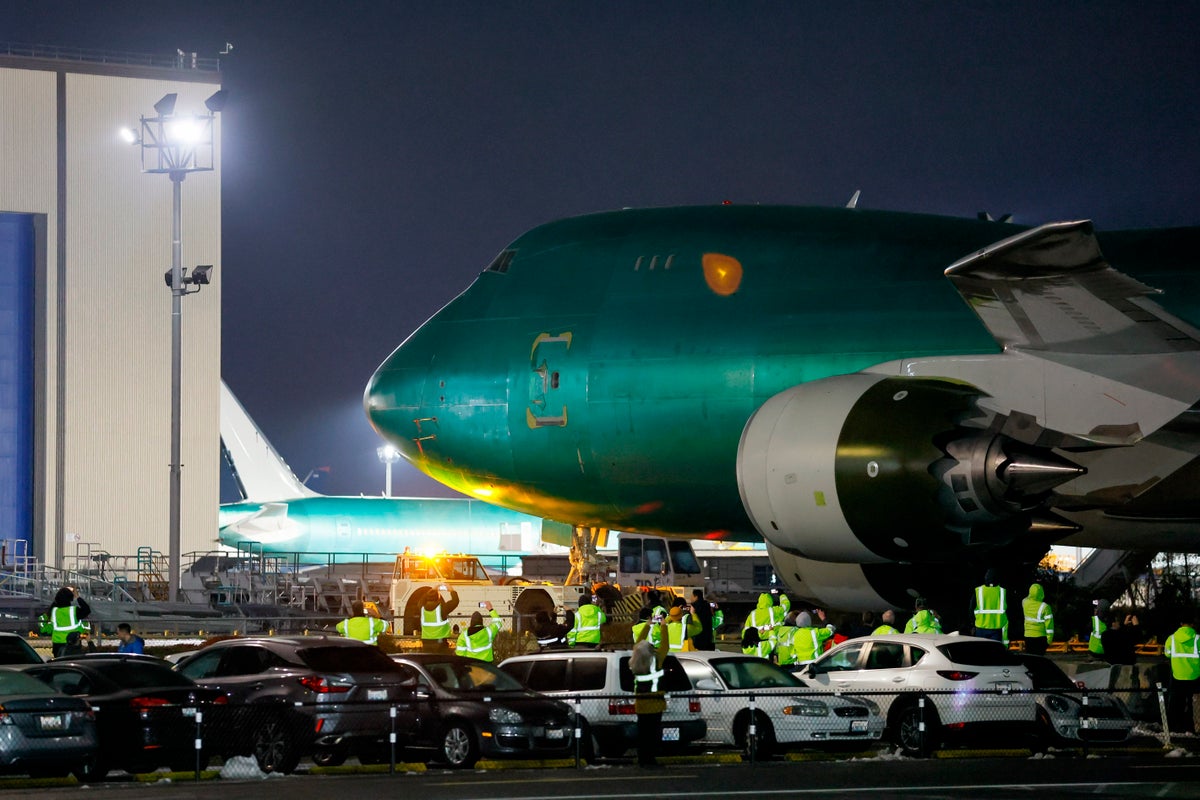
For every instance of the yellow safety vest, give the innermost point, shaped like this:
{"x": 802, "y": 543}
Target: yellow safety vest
{"x": 479, "y": 645}
{"x": 433, "y": 625}
{"x": 991, "y": 603}
{"x": 1183, "y": 648}
{"x": 588, "y": 620}
{"x": 1095, "y": 643}
{"x": 63, "y": 621}
{"x": 365, "y": 629}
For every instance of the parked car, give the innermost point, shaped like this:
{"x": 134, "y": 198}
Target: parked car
{"x": 787, "y": 712}
{"x": 468, "y": 709}
{"x": 43, "y": 732}
{"x": 291, "y": 696}
{"x": 145, "y": 711}
{"x": 15, "y": 650}
{"x": 955, "y": 685}
{"x": 1061, "y": 710}
{"x": 603, "y": 682}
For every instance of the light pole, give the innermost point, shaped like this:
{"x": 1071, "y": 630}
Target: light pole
{"x": 389, "y": 455}
{"x": 175, "y": 144}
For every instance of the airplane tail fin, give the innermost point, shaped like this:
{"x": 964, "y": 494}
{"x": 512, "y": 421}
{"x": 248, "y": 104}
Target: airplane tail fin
{"x": 259, "y": 471}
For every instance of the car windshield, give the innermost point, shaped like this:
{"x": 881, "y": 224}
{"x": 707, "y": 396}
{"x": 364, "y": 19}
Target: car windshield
{"x": 15, "y": 650}
{"x": 134, "y": 675}
{"x": 20, "y": 683}
{"x": 346, "y": 659}
{"x": 477, "y": 676}
{"x": 1046, "y": 674}
{"x": 752, "y": 673}
{"x": 979, "y": 654}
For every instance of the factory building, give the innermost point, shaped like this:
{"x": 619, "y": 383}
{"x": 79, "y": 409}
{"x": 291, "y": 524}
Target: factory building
{"x": 85, "y": 313}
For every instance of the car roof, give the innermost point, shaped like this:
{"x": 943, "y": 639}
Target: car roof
{"x": 91, "y": 658}
{"x": 570, "y": 653}
{"x": 297, "y": 641}
{"x": 426, "y": 658}
{"x": 922, "y": 639}
{"x": 709, "y": 655}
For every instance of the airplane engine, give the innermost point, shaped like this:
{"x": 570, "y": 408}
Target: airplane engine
{"x": 854, "y": 587}
{"x": 868, "y": 468}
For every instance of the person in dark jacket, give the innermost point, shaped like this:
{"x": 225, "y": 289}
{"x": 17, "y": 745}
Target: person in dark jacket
{"x": 549, "y": 634}
{"x": 1121, "y": 638}
{"x": 702, "y": 611}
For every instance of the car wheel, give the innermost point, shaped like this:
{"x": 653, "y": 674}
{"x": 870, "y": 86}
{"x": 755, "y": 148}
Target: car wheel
{"x": 459, "y": 748}
{"x": 334, "y": 757}
{"x": 275, "y": 748}
{"x": 907, "y": 730}
{"x": 764, "y": 734}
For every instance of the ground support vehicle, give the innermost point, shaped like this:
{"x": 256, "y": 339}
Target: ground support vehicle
{"x": 786, "y": 712}
{"x": 931, "y": 687}
{"x": 603, "y": 685}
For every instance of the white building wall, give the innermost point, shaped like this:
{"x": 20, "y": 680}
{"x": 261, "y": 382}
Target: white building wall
{"x": 116, "y": 312}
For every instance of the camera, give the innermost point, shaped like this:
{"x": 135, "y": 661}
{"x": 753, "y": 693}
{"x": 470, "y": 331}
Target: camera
{"x": 657, "y": 618}
{"x": 442, "y": 587}
{"x": 483, "y": 604}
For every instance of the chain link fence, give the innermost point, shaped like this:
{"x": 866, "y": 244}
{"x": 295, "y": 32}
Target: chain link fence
{"x": 285, "y": 736}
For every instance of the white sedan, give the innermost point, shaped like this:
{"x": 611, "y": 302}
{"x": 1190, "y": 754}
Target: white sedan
{"x": 786, "y": 713}
{"x": 929, "y": 687}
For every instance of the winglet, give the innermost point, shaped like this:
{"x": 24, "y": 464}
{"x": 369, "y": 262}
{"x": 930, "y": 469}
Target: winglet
{"x": 854, "y": 199}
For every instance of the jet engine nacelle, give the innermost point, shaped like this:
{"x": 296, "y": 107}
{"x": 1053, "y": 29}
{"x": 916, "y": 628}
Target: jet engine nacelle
{"x": 867, "y": 468}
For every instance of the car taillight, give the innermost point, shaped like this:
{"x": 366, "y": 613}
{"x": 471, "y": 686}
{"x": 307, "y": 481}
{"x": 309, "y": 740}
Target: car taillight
{"x": 143, "y": 703}
{"x": 220, "y": 700}
{"x": 694, "y": 706}
{"x": 956, "y": 674}
{"x": 315, "y": 683}
{"x": 616, "y": 707}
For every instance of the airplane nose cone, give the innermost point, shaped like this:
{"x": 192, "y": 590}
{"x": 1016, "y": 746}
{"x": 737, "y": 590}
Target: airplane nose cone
{"x": 394, "y": 398}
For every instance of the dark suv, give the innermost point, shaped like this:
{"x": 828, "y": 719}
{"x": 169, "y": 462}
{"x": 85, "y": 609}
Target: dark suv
{"x": 289, "y": 696}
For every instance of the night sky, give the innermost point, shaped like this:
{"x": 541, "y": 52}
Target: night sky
{"x": 377, "y": 156}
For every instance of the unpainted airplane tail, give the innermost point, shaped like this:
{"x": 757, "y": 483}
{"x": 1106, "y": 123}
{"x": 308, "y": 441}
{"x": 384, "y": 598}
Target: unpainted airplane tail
{"x": 261, "y": 475}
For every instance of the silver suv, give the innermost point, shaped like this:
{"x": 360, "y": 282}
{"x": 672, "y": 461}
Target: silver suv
{"x": 603, "y": 682}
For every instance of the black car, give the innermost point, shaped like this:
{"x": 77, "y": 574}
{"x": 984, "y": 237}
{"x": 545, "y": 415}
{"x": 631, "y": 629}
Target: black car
{"x": 291, "y": 696}
{"x": 467, "y": 709}
{"x": 145, "y": 711}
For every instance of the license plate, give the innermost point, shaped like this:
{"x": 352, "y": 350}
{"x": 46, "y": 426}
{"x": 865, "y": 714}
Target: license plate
{"x": 377, "y": 694}
{"x": 189, "y": 712}
{"x": 670, "y": 734}
{"x": 51, "y": 722}
{"x": 556, "y": 733}
{"x": 858, "y": 726}
{"x": 1006, "y": 686}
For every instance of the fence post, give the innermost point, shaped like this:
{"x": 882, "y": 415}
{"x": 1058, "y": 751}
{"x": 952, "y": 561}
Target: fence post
{"x": 1084, "y": 723}
{"x": 921, "y": 725}
{"x": 392, "y": 741}
{"x": 579, "y": 734}
{"x": 752, "y": 732}
{"x": 199, "y": 741}
{"x": 1162, "y": 710}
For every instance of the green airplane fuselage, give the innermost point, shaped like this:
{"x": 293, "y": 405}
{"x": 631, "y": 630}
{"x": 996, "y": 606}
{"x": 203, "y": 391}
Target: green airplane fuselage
{"x": 601, "y": 371}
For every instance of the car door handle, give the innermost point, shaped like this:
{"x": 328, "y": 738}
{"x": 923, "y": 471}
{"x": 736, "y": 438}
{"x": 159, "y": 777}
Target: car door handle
{"x": 843, "y": 684}
{"x": 898, "y": 679}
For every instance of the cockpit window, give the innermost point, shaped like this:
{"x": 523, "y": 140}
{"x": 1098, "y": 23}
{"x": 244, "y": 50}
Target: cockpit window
{"x": 500, "y": 264}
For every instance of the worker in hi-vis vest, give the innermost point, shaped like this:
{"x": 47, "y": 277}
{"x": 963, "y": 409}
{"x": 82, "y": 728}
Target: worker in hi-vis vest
{"x": 989, "y": 604}
{"x": 1096, "y": 638}
{"x": 1183, "y": 648}
{"x": 435, "y": 619}
{"x": 588, "y": 619}
{"x": 1039, "y": 621}
{"x": 362, "y": 626}
{"x": 476, "y": 641}
{"x": 66, "y": 615}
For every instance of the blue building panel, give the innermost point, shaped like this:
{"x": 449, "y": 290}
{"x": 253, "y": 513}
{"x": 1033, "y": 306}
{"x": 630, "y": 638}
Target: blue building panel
{"x": 17, "y": 254}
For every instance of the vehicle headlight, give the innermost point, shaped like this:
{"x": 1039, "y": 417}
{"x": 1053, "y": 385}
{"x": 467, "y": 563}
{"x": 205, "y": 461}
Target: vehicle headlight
{"x": 807, "y": 708}
{"x": 504, "y": 716}
{"x": 1056, "y": 703}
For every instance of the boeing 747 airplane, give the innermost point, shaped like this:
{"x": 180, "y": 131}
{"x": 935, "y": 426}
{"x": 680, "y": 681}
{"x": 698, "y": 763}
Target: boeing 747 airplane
{"x": 887, "y": 400}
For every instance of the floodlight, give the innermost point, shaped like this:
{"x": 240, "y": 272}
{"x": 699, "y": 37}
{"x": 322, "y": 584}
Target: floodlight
{"x": 200, "y": 275}
{"x": 167, "y": 278}
{"x": 128, "y": 136}
{"x": 184, "y": 130}
{"x": 216, "y": 101}
{"x": 166, "y": 106}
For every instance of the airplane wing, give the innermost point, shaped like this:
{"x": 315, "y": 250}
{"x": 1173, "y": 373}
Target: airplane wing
{"x": 1050, "y": 289}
